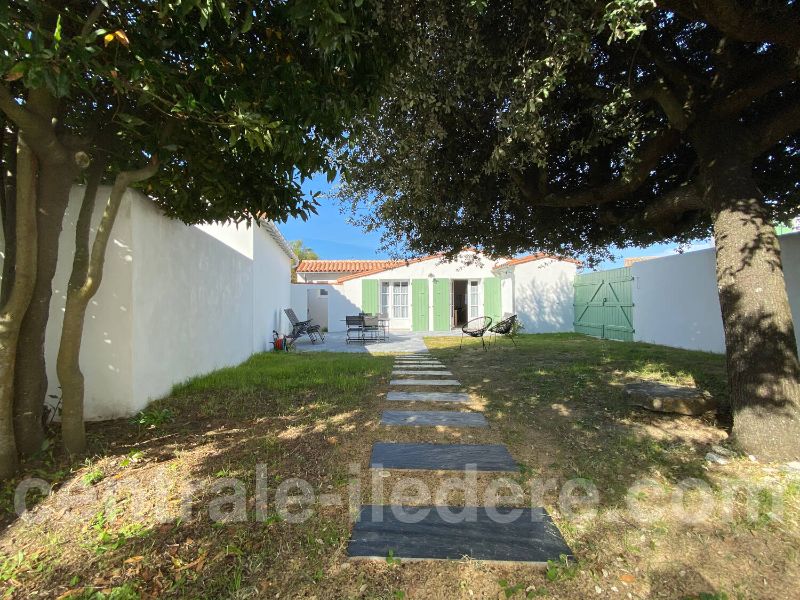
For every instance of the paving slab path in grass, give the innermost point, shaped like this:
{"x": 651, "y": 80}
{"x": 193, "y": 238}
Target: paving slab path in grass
{"x": 447, "y": 532}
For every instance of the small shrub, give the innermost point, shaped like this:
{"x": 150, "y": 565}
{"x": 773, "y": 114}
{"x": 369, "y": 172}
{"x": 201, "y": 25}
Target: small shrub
{"x": 153, "y": 417}
{"x": 92, "y": 476}
{"x": 561, "y": 569}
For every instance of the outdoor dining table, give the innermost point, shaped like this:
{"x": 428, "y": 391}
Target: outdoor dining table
{"x": 375, "y": 328}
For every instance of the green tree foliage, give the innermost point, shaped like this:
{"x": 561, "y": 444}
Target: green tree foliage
{"x": 572, "y": 126}
{"x": 302, "y": 252}
{"x": 231, "y": 103}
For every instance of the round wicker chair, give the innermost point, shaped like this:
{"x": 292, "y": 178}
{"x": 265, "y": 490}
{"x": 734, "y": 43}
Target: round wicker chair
{"x": 476, "y": 328}
{"x": 505, "y": 327}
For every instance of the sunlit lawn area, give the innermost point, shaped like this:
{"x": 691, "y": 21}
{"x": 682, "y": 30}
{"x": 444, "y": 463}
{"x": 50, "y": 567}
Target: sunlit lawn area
{"x": 133, "y": 522}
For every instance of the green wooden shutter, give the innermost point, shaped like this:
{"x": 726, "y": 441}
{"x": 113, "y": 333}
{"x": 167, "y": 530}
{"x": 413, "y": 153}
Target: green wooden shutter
{"x": 419, "y": 305}
{"x": 441, "y": 305}
{"x": 492, "y": 304}
{"x": 369, "y": 296}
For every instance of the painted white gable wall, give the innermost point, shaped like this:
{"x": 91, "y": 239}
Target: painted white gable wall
{"x": 543, "y": 295}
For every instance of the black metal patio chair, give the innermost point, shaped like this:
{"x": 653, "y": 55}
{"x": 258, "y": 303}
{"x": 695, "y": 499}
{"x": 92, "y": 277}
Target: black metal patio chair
{"x": 476, "y": 328}
{"x": 356, "y": 329}
{"x": 507, "y": 327}
{"x": 301, "y": 328}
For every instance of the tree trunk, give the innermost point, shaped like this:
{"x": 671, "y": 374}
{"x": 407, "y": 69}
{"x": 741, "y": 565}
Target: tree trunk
{"x": 761, "y": 349}
{"x": 8, "y": 192}
{"x": 55, "y": 181}
{"x": 13, "y": 310}
{"x": 68, "y": 361}
{"x": 87, "y": 273}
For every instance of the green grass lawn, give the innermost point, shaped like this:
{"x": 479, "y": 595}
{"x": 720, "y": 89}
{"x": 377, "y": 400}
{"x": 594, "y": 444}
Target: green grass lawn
{"x": 118, "y": 526}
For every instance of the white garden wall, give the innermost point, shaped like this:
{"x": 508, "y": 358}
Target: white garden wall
{"x": 676, "y": 302}
{"x": 543, "y": 295}
{"x": 176, "y": 301}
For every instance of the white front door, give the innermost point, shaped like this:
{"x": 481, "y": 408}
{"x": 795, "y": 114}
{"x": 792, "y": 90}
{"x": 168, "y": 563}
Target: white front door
{"x": 395, "y": 303}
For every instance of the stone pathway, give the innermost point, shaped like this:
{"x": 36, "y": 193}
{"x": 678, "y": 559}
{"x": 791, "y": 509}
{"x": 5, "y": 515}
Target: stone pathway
{"x": 447, "y": 532}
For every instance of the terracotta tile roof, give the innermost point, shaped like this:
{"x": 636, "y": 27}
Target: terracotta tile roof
{"x": 532, "y": 257}
{"x": 345, "y": 266}
{"x": 635, "y": 259}
{"x": 392, "y": 264}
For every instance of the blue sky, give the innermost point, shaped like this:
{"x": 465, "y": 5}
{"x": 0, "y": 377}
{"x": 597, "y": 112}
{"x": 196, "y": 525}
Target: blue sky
{"x": 330, "y": 235}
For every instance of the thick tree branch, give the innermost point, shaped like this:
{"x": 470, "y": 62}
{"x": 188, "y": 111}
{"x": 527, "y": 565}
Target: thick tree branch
{"x": 739, "y": 97}
{"x": 680, "y": 75}
{"x": 92, "y": 19}
{"x": 635, "y": 174}
{"x": 673, "y": 108}
{"x": 97, "y": 259}
{"x": 739, "y": 22}
{"x": 37, "y": 131}
{"x": 673, "y": 204}
{"x": 766, "y": 133}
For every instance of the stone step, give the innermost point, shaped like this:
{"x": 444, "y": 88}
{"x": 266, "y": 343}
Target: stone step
{"x": 460, "y": 397}
{"x": 424, "y": 382}
{"x": 453, "y": 532}
{"x": 442, "y": 457}
{"x": 446, "y": 418}
{"x": 417, "y": 360}
{"x": 422, "y": 372}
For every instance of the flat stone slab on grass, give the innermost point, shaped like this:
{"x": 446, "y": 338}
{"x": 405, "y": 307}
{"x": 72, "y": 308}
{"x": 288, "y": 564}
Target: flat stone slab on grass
{"x": 442, "y": 457}
{"x": 460, "y": 397}
{"x": 407, "y": 371}
{"x": 532, "y": 537}
{"x": 424, "y": 382}
{"x": 663, "y": 397}
{"x": 417, "y": 361}
{"x": 447, "y": 418}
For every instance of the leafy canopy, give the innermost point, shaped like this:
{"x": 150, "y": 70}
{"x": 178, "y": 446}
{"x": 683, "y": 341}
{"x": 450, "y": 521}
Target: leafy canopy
{"x": 239, "y": 100}
{"x": 571, "y": 126}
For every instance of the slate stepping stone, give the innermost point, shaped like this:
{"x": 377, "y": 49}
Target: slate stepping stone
{"x": 421, "y": 372}
{"x": 447, "y": 418}
{"x": 442, "y": 457}
{"x": 420, "y": 365}
{"x": 424, "y": 382}
{"x": 429, "y": 532}
{"x": 460, "y": 397}
{"x": 417, "y": 360}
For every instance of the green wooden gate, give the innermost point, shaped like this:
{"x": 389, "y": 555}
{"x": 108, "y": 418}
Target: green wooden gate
{"x": 419, "y": 305}
{"x": 604, "y": 304}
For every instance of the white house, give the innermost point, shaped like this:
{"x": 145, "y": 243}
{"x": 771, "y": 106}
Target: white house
{"x": 434, "y": 294}
{"x": 176, "y": 301}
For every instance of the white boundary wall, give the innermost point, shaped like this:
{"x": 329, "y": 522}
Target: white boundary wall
{"x": 676, "y": 302}
{"x": 175, "y": 301}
